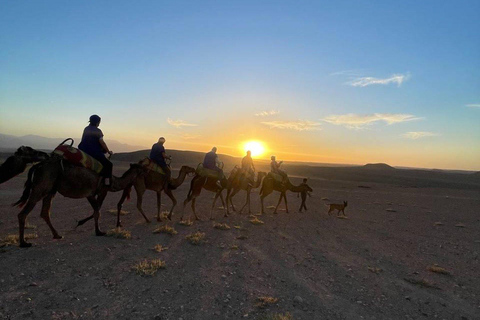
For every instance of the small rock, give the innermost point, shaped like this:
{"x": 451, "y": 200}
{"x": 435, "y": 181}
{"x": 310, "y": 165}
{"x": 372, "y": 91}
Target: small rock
{"x": 298, "y": 299}
{"x": 33, "y": 284}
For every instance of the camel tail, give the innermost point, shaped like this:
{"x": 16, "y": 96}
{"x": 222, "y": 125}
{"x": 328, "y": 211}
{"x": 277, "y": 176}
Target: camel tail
{"x": 28, "y": 188}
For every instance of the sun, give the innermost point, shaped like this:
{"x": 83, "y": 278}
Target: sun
{"x": 256, "y": 147}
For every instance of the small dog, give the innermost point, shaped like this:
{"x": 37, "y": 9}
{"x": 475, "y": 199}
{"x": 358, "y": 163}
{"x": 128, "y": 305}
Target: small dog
{"x": 338, "y": 206}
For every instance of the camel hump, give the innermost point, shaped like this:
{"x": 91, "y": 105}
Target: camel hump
{"x": 275, "y": 176}
{"x": 78, "y": 157}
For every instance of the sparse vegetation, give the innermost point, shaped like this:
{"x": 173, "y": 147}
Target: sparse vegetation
{"x": 256, "y": 221}
{"x": 421, "y": 283}
{"x": 375, "y": 270}
{"x": 30, "y": 226}
{"x": 234, "y": 247}
{"x": 165, "y": 229}
{"x": 119, "y": 233}
{"x": 436, "y": 269}
{"x": 186, "y": 223}
{"x": 159, "y": 248}
{"x": 12, "y": 239}
{"x": 149, "y": 268}
{"x": 196, "y": 238}
{"x": 115, "y": 211}
{"x": 438, "y": 223}
{"x": 242, "y": 237}
{"x": 265, "y": 301}
{"x": 221, "y": 226}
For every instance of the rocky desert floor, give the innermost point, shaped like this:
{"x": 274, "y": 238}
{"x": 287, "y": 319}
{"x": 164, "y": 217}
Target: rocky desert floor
{"x": 402, "y": 253}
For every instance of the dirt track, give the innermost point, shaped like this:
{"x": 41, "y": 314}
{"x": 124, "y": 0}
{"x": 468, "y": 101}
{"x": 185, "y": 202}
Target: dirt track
{"x": 316, "y": 265}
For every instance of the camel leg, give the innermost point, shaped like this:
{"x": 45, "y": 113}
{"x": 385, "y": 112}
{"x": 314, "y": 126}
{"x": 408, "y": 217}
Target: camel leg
{"x": 169, "y": 193}
{"x": 22, "y": 216}
{"x": 45, "y": 214}
{"x": 96, "y": 213}
{"x": 139, "y": 204}
{"x": 159, "y": 204}
{"x": 119, "y": 206}
{"x": 261, "y": 200}
{"x": 213, "y": 204}
{"x": 279, "y": 201}
{"x": 247, "y": 201}
{"x": 193, "y": 208}
{"x": 286, "y": 203}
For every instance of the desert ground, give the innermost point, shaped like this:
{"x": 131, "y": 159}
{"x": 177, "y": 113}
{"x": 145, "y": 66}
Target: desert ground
{"x": 377, "y": 264}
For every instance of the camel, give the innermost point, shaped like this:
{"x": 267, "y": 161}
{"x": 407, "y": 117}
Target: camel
{"x": 237, "y": 184}
{"x": 54, "y": 175}
{"x": 16, "y": 164}
{"x": 154, "y": 181}
{"x": 269, "y": 184}
{"x": 198, "y": 183}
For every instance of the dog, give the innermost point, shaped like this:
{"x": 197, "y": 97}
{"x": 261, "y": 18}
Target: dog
{"x": 338, "y": 206}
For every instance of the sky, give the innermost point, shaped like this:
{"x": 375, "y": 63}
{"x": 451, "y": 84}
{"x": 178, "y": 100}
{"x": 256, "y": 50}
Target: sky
{"x": 349, "y": 82}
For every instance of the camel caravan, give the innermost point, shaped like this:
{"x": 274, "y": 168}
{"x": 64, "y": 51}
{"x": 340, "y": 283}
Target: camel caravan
{"x": 85, "y": 172}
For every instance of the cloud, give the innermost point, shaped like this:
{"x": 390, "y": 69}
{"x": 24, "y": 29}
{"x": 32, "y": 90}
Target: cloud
{"x": 473, "y": 105}
{"x": 299, "y": 125}
{"x": 368, "y": 81}
{"x": 359, "y": 121}
{"x": 267, "y": 113}
{"x": 187, "y": 136}
{"x": 419, "y": 134}
{"x": 180, "y": 123}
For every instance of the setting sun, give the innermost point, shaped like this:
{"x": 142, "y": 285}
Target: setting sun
{"x": 256, "y": 147}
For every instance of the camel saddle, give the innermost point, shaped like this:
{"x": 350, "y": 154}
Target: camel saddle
{"x": 149, "y": 164}
{"x": 275, "y": 176}
{"x": 208, "y": 173}
{"x": 78, "y": 157}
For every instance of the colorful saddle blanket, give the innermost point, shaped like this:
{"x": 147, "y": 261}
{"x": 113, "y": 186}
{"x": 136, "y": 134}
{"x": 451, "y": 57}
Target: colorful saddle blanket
{"x": 151, "y": 165}
{"x": 277, "y": 177}
{"x": 78, "y": 157}
{"x": 209, "y": 173}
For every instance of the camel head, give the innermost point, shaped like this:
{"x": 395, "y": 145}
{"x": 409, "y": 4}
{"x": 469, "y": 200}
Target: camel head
{"x": 188, "y": 170}
{"x": 308, "y": 189}
{"x": 30, "y": 154}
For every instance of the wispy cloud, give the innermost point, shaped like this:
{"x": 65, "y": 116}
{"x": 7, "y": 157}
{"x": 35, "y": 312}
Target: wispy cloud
{"x": 359, "y": 121}
{"x": 299, "y": 125}
{"x": 180, "y": 123}
{"x": 351, "y": 73}
{"x": 419, "y": 134}
{"x": 473, "y": 105}
{"x": 368, "y": 81}
{"x": 267, "y": 113}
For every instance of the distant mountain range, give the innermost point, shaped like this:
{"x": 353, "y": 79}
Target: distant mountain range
{"x": 9, "y": 142}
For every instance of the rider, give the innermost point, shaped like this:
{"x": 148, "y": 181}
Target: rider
{"x": 158, "y": 155}
{"x": 248, "y": 168}
{"x": 92, "y": 143}
{"x": 275, "y": 168}
{"x": 211, "y": 162}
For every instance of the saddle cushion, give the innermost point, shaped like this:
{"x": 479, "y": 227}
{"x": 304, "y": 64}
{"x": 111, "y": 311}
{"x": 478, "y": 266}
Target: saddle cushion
{"x": 151, "y": 165}
{"x": 208, "y": 173}
{"x": 277, "y": 177}
{"x": 78, "y": 157}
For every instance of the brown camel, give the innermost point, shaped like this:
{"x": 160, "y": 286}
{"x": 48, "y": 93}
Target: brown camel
{"x": 236, "y": 184}
{"x": 54, "y": 175}
{"x": 17, "y": 163}
{"x": 198, "y": 183}
{"x": 269, "y": 184}
{"x": 154, "y": 181}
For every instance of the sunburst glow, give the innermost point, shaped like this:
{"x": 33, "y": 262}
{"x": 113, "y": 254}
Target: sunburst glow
{"x": 256, "y": 147}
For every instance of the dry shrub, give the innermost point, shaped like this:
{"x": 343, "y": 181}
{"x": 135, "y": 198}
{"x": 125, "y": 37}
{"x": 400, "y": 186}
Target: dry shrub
{"x": 186, "y": 223}
{"x": 375, "y": 270}
{"x": 242, "y": 237}
{"x": 12, "y": 239}
{"x": 422, "y": 283}
{"x": 115, "y": 211}
{"x": 30, "y": 226}
{"x": 460, "y": 225}
{"x": 196, "y": 238}
{"x": 436, "y": 269}
{"x": 342, "y": 217}
{"x": 165, "y": 229}
{"x": 119, "y": 233}
{"x": 278, "y": 316}
{"x": 234, "y": 247}
{"x": 159, "y": 248}
{"x": 237, "y": 227}
{"x": 221, "y": 226}
{"x": 265, "y": 301}
{"x": 149, "y": 268}
{"x": 438, "y": 223}
{"x": 256, "y": 221}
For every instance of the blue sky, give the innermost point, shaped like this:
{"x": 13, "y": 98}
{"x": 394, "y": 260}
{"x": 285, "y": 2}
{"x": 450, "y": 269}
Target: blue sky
{"x": 363, "y": 76}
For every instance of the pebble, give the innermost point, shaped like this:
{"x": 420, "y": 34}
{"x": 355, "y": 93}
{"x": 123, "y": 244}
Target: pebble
{"x": 298, "y": 299}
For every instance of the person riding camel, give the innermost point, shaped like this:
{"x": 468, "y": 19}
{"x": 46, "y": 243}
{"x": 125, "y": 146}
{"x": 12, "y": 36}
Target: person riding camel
{"x": 275, "y": 168}
{"x": 211, "y": 162}
{"x": 158, "y": 155}
{"x": 248, "y": 168}
{"x": 93, "y": 144}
